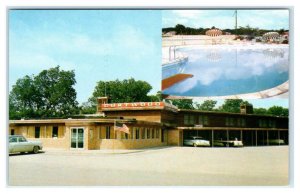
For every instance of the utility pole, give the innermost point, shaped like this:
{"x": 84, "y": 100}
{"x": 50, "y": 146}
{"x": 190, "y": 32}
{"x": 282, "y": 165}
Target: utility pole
{"x": 235, "y": 13}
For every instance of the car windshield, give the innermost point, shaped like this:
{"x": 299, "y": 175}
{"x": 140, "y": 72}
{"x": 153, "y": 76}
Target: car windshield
{"x": 12, "y": 139}
{"x": 22, "y": 139}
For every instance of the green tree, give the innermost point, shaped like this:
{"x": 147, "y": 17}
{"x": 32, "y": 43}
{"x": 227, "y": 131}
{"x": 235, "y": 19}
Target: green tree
{"x": 233, "y": 105}
{"x": 49, "y": 94}
{"x": 156, "y": 98}
{"x": 183, "y": 103}
{"x": 278, "y": 111}
{"x": 207, "y": 105}
{"x": 128, "y": 90}
{"x": 260, "y": 111}
{"x": 180, "y": 29}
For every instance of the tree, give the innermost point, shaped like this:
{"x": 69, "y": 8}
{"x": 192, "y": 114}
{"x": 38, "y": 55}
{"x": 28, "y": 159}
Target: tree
{"x": 260, "y": 111}
{"x": 49, "y": 94}
{"x": 122, "y": 91}
{"x": 233, "y": 105}
{"x": 156, "y": 98}
{"x": 183, "y": 103}
{"x": 278, "y": 111}
{"x": 180, "y": 29}
{"x": 207, "y": 105}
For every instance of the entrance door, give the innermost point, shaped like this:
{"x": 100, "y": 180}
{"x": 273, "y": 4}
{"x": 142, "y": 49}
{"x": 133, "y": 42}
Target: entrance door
{"x": 77, "y": 138}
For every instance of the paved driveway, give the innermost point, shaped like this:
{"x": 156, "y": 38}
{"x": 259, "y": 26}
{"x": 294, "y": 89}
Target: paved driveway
{"x": 165, "y": 166}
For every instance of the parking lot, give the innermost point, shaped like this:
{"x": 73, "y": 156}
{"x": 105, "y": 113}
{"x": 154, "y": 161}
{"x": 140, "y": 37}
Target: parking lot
{"x": 158, "y": 166}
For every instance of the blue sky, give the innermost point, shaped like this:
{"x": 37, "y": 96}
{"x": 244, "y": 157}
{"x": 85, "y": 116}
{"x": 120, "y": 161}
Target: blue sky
{"x": 266, "y": 19}
{"x": 97, "y": 44}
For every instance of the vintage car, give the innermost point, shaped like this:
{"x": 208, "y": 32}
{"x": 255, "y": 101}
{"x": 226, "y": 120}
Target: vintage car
{"x": 19, "y": 144}
{"x": 275, "y": 141}
{"x": 196, "y": 141}
{"x": 228, "y": 143}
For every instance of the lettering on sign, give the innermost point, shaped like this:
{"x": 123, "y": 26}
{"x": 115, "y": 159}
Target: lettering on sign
{"x": 133, "y": 105}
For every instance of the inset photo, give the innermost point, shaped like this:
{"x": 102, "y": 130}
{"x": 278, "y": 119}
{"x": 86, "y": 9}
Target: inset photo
{"x": 225, "y": 54}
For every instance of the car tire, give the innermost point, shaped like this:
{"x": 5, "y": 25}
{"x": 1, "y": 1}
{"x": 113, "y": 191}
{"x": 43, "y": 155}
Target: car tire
{"x": 195, "y": 145}
{"x": 35, "y": 149}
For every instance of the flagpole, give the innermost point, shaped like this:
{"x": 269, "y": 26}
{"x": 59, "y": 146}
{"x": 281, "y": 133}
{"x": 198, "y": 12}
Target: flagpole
{"x": 114, "y": 136}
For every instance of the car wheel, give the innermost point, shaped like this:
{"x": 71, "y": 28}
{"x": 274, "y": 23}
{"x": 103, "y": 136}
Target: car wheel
{"x": 195, "y": 145}
{"x": 35, "y": 149}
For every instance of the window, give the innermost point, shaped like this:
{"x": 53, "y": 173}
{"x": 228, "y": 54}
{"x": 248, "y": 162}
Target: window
{"x": 157, "y": 133}
{"x": 148, "y": 133}
{"x": 229, "y": 121}
{"x": 262, "y": 123}
{"x": 189, "y": 119}
{"x": 55, "y": 132}
{"x": 126, "y": 135}
{"x": 22, "y": 139}
{"x": 186, "y": 119}
{"x": 37, "y": 132}
{"x": 272, "y": 123}
{"x": 241, "y": 122}
{"x": 107, "y": 132}
{"x": 12, "y": 131}
{"x": 152, "y": 132}
{"x": 137, "y": 133}
{"x": 13, "y": 140}
{"x": 131, "y": 133}
{"x": 203, "y": 120}
{"x": 143, "y": 130}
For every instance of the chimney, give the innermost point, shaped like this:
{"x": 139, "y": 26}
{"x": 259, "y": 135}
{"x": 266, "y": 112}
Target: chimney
{"x": 101, "y": 100}
{"x": 246, "y": 109}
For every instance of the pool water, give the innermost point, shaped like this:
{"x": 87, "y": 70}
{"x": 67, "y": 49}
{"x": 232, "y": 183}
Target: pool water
{"x": 226, "y": 71}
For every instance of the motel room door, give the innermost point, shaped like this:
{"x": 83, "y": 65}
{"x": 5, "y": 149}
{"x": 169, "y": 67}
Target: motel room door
{"x": 77, "y": 138}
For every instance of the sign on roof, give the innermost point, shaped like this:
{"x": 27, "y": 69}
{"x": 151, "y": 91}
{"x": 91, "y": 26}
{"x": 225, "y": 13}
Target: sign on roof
{"x": 134, "y": 105}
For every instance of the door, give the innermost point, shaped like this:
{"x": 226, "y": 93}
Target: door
{"x": 77, "y": 138}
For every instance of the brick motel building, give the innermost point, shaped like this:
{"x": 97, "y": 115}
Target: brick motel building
{"x": 151, "y": 124}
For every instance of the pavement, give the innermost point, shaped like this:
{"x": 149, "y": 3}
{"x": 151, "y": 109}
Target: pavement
{"x": 163, "y": 166}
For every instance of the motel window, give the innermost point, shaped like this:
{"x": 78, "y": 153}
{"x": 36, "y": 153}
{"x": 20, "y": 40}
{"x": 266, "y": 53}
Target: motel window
{"x": 189, "y": 119}
{"x": 262, "y": 123}
{"x": 107, "y": 132}
{"x": 55, "y": 132}
{"x": 137, "y": 133}
{"x": 229, "y": 121}
{"x": 272, "y": 123}
{"x": 157, "y": 133}
{"x": 143, "y": 130}
{"x": 241, "y": 122}
{"x": 12, "y": 131}
{"x": 203, "y": 120}
{"x": 126, "y": 135}
{"x": 186, "y": 119}
{"x": 37, "y": 132}
{"x": 148, "y": 133}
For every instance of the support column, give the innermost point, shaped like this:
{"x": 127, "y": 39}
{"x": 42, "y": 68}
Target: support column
{"x": 241, "y": 135}
{"x": 256, "y": 138}
{"x": 227, "y": 145}
{"x": 267, "y": 137}
{"x": 212, "y": 138}
{"x": 278, "y": 137}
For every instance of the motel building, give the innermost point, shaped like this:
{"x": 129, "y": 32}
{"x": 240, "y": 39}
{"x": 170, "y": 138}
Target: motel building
{"x": 152, "y": 124}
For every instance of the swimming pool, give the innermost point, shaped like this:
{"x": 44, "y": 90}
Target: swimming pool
{"x": 224, "y": 70}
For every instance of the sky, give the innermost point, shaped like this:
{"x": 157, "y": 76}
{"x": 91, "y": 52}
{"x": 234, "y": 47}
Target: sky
{"x": 97, "y": 44}
{"x": 109, "y": 44}
{"x": 223, "y": 19}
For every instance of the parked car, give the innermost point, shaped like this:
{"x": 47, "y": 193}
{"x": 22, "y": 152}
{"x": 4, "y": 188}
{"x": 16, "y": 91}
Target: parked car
{"x": 196, "y": 141}
{"x": 19, "y": 144}
{"x": 275, "y": 141}
{"x": 228, "y": 143}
